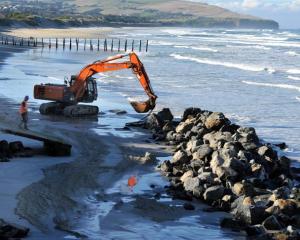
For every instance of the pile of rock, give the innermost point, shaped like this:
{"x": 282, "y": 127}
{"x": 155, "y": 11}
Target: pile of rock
{"x": 12, "y": 231}
{"x": 231, "y": 169}
{"x": 9, "y": 150}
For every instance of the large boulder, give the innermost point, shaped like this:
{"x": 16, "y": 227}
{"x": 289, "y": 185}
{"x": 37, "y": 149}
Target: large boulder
{"x": 265, "y": 151}
{"x": 180, "y": 157}
{"x": 248, "y": 213}
{"x": 247, "y": 137}
{"x": 184, "y": 127}
{"x": 193, "y": 145}
{"x": 243, "y": 188}
{"x": 271, "y": 223}
{"x": 12, "y": 231}
{"x": 191, "y": 183}
{"x": 202, "y": 152}
{"x": 154, "y": 122}
{"x": 214, "y": 193}
{"x": 190, "y": 112}
{"x": 165, "y": 115}
{"x": 216, "y": 120}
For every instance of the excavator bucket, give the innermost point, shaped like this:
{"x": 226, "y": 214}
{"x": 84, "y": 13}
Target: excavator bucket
{"x": 143, "y": 107}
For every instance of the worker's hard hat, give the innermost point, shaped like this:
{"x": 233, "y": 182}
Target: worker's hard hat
{"x": 26, "y": 98}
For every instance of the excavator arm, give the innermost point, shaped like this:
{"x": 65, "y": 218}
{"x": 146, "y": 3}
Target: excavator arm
{"x": 134, "y": 63}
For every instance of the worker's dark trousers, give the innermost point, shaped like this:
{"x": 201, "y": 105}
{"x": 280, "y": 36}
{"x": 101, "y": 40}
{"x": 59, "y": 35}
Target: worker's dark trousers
{"x": 24, "y": 120}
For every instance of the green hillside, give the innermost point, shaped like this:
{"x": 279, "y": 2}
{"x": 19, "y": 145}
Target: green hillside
{"x": 124, "y": 13}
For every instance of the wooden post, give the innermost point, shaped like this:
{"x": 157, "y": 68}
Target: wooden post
{"x": 147, "y": 44}
{"x": 119, "y": 45}
{"x": 64, "y": 44}
{"x": 2, "y": 40}
{"x": 77, "y": 44}
{"x": 105, "y": 45}
{"x": 28, "y": 42}
{"x": 112, "y": 45}
{"x": 56, "y": 43}
{"x": 91, "y": 45}
{"x": 84, "y": 44}
{"x": 36, "y": 42}
{"x": 42, "y": 42}
{"x": 125, "y": 47}
{"x": 98, "y": 45}
{"x": 140, "y": 47}
{"x": 132, "y": 46}
{"x": 50, "y": 43}
{"x": 70, "y": 47}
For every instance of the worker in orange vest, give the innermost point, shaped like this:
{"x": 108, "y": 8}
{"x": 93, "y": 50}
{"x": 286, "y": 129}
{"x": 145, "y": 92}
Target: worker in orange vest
{"x": 24, "y": 113}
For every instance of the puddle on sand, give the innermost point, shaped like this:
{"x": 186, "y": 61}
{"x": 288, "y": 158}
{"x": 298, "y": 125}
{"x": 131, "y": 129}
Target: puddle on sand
{"x": 113, "y": 215}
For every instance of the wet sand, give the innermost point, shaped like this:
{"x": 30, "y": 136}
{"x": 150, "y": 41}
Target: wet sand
{"x": 60, "y": 33}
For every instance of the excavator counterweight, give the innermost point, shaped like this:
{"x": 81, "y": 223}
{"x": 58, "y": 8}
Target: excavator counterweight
{"x": 82, "y": 88}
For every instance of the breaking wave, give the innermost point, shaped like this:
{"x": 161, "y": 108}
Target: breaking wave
{"x": 293, "y": 71}
{"x": 285, "y": 86}
{"x": 294, "y": 78}
{"x": 292, "y": 53}
{"x": 298, "y": 98}
{"x": 207, "y": 49}
{"x": 225, "y": 64}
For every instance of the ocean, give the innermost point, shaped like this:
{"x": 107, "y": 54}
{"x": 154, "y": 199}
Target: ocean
{"x": 253, "y": 76}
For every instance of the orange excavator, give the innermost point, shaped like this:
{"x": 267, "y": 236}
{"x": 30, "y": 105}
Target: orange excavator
{"x": 83, "y": 88}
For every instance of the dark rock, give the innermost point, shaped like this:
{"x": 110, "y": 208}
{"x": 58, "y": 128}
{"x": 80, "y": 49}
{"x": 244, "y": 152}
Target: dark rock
{"x": 188, "y": 206}
{"x": 216, "y": 121}
{"x": 248, "y": 213}
{"x": 154, "y": 122}
{"x": 255, "y": 230}
{"x": 180, "y": 157}
{"x": 267, "y": 151}
{"x": 12, "y": 231}
{"x": 213, "y": 193}
{"x": 165, "y": 115}
{"x": 282, "y": 146}
{"x": 232, "y": 128}
{"x": 206, "y": 177}
{"x": 247, "y": 137}
{"x": 168, "y": 127}
{"x": 193, "y": 145}
{"x": 271, "y": 223}
{"x": 4, "y": 150}
{"x": 15, "y": 147}
{"x": 232, "y": 224}
{"x": 190, "y": 112}
{"x": 166, "y": 166}
{"x": 203, "y": 151}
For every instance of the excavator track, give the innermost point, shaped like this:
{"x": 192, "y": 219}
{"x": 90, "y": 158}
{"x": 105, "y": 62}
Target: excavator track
{"x": 80, "y": 111}
{"x": 51, "y": 108}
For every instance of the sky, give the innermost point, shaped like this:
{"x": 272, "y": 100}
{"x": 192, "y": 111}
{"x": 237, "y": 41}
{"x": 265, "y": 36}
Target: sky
{"x": 285, "y": 12}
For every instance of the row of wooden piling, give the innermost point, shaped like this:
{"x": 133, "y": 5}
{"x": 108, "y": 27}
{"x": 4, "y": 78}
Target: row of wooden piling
{"x": 105, "y": 44}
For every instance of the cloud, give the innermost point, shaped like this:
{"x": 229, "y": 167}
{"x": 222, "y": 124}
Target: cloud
{"x": 295, "y": 5}
{"x": 250, "y": 4}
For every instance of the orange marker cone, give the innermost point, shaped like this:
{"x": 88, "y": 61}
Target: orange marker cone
{"x": 132, "y": 181}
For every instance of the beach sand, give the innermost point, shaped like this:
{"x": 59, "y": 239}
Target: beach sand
{"x": 60, "y": 33}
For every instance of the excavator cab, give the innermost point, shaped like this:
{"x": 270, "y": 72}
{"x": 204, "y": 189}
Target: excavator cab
{"x": 91, "y": 91}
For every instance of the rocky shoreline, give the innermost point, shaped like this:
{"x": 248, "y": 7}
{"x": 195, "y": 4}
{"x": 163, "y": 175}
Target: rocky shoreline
{"x": 229, "y": 168}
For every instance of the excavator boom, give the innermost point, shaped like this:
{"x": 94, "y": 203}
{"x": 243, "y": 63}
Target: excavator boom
{"x": 83, "y": 87}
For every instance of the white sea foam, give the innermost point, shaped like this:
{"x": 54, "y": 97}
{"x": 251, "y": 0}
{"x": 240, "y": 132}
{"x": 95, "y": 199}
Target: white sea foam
{"x": 292, "y": 53}
{"x": 225, "y": 64}
{"x": 55, "y": 78}
{"x": 285, "y": 86}
{"x": 206, "y": 49}
{"x": 298, "y": 98}
{"x": 293, "y": 71}
{"x": 160, "y": 43}
{"x": 250, "y": 47}
{"x": 294, "y": 78}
